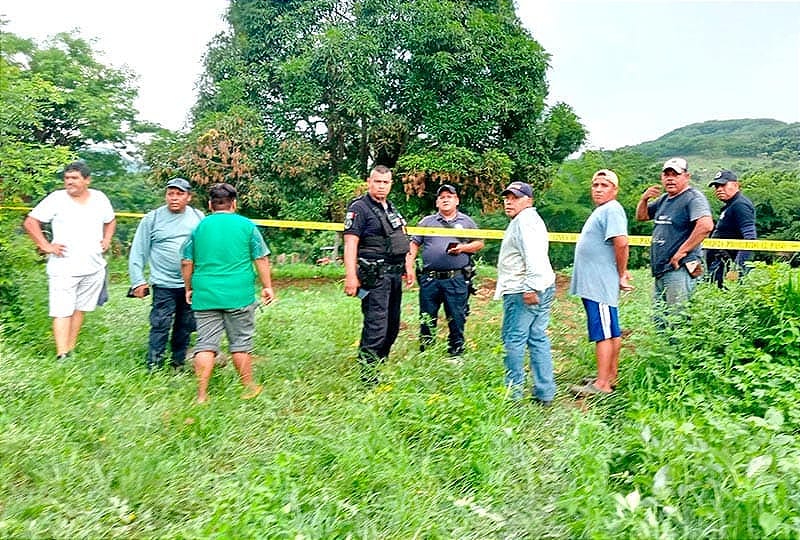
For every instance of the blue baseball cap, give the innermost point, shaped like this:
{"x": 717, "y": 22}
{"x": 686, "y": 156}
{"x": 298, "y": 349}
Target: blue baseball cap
{"x": 448, "y": 188}
{"x": 520, "y": 189}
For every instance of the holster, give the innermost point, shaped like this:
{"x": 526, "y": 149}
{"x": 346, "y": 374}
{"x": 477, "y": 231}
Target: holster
{"x": 369, "y": 272}
{"x": 469, "y": 276}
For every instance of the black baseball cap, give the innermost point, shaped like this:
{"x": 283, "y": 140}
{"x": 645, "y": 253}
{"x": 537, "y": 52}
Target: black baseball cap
{"x": 723, "y": 177}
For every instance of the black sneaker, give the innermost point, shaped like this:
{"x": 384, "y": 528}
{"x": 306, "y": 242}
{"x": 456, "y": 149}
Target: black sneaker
{"x": 542, "y": 403}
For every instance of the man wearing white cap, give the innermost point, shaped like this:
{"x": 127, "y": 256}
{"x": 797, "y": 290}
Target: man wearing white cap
{"x": 600, "y": 271}
{"x": 682, "y": 218}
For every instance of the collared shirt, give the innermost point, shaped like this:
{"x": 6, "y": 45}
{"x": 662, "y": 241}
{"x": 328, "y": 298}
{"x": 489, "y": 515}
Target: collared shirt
{"x": 366, "y": 218}
{"x": 159, "y": 238}
{"x": 737, "y": 219}
{"x": 523, "y": 264}
{"x": 434, "y": 248}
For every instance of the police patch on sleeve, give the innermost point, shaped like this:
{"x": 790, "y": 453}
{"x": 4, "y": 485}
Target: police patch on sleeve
{"x": 348, "y": 220}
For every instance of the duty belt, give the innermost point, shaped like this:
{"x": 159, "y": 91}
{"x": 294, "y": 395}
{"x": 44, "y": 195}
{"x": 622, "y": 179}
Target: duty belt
{"x": 394, "y": 268}
{"x": 442, "y": 274}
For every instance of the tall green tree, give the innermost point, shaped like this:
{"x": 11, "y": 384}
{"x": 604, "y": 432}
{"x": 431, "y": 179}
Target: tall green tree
{"x": 437, "y": 89}
{"x": 58, "y": 100}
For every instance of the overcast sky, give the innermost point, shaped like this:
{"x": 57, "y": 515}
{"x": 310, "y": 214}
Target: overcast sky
{"x": 632, "y": 71}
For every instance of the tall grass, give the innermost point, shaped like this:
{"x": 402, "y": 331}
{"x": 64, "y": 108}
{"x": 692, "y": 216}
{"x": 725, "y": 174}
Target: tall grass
{"x": 95, "y": 448}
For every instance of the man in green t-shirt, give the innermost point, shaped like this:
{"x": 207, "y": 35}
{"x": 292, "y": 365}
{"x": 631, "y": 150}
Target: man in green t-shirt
{"x": 217, "y": 268}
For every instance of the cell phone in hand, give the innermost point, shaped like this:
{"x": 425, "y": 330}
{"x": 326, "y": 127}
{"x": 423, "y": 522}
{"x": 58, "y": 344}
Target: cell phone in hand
{"x": 694, "y": 268}
{"x": 131, "y": 295}
{"x": 450, "y": 246}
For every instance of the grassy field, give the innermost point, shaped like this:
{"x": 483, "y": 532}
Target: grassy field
{"x": 698, "y": 441}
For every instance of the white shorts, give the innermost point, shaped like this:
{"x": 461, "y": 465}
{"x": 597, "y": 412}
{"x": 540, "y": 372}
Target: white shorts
{"x": 75, "y": 293}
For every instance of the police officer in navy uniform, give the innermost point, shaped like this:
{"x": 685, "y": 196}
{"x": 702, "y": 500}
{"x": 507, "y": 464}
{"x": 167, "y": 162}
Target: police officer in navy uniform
{"x": 446, "y": 270}
{"x": 375, "y": 248}
{"x": 737, "y": 220}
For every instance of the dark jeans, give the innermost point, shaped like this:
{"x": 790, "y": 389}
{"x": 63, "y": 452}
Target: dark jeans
{"x": 454, "y": 294}
{"x": 169, "y": 310}
{"x": 381, "y": 310}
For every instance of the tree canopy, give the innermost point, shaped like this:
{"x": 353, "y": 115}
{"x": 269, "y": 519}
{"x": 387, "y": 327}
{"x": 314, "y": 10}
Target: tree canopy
{"x": 58, "y": 99}
{"x": 438, "y": 89}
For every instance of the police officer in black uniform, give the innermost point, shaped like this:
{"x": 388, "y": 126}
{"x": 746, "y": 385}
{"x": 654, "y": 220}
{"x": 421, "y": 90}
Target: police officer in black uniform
{"x": 375, "y": 246}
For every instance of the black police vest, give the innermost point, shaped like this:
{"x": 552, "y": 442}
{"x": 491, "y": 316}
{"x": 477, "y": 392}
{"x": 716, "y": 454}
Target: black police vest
{"x": 392, "y": 244}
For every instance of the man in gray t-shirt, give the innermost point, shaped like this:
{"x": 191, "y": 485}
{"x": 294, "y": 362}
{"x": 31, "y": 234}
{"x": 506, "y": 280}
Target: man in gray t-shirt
{"x": 682, "y": 218}
{"x": 444, "y": 275}
{"x": 600, "y": 271}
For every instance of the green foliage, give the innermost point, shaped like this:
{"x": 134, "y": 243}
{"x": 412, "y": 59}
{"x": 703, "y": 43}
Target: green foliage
{"x": 702, "y": 442}
{"x": 697, "y": 442}
{"x": 729, "y": 139}
{"x": 777, "y": 201}
{"x": 58, "y": 103}
{"x": 434, "y": 450}
{"x": 479, "y": 178}
{"x": 70, "y": 98}
{"x": 338, "y": 86}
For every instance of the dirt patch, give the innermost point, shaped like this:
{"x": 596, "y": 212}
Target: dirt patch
{"x": 487, "y": 286}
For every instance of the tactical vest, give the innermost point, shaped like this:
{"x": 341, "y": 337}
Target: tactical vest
{"x": 393, "y": 244}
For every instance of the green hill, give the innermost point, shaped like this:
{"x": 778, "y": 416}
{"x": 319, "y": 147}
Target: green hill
{"x": 741, "y": 145}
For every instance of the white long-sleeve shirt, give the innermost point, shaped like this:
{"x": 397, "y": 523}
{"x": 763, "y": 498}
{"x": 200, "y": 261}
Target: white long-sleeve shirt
{"x": 523, "y": 264}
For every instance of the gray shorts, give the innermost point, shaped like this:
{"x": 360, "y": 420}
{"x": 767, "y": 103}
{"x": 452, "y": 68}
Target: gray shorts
{"x": 239, "y": 326}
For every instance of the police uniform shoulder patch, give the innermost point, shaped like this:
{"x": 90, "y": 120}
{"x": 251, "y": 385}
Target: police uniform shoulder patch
{"x": 348, "y": 219}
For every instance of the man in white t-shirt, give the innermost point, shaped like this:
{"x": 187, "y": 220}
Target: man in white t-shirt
{"x": 83, "y": 223}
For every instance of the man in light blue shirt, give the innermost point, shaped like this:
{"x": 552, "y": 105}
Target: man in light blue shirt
{"x": 158, "y": 240}
{"x": 600, "y": 271}
{"x": 526, "y": 283}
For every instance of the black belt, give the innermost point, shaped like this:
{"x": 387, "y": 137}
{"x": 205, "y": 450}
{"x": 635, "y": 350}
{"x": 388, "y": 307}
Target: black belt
{"x": 442, "y": 274}
{"x": 394, "y": 268}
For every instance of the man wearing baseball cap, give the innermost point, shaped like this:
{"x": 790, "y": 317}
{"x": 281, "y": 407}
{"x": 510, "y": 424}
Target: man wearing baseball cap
{"x": 158, "y": 241}
{"x": 737, "y": 219}
{"x": 526, "y": 284}
{"x": 446, "y": 270}
{"x": 600, "y": 271}
{"x": 682, "y": 218}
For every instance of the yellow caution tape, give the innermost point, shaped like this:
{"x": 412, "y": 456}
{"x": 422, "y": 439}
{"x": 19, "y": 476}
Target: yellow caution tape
{"x": 493, "y": 234}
